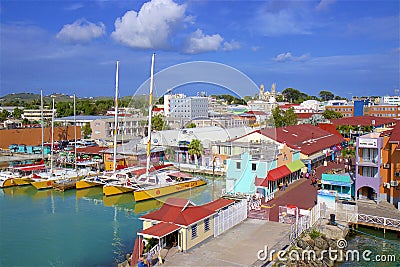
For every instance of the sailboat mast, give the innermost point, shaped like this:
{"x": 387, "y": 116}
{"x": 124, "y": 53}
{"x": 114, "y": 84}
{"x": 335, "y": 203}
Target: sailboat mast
{"x": 150, "y": 114}
{"x": 52, "y": 138}
{"x": 42, "y": 120}
{"x": 116, "y": 119}
{"x": 75, "y": 128}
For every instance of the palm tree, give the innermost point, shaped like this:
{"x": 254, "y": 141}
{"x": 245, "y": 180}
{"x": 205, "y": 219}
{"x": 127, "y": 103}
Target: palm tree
{"x": 195, "y": 148}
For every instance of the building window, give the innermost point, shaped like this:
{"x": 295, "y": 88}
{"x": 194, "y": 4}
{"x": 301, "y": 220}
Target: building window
{"x": 238, "y": 165}
{"x": 194, "y": 231}
{"x": 207, "y": 225}
{"x": 253, "y": 166}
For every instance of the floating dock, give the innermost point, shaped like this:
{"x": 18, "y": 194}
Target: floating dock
{"x": 64, "y": 185}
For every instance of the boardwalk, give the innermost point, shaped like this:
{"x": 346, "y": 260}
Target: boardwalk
{"x": 301, "y": 193}
{"x": 236, "y": 247}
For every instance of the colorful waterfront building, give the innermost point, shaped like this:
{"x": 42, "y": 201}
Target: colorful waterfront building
{"x": 263, "y": 171}
{"x": 378, "y": 166}
{"x": 180, "y": 222}
{"x": 341, "y": 183}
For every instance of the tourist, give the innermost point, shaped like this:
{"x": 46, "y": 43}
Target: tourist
{"x": 149, "y": 259}
{"x": 141, "y": 262}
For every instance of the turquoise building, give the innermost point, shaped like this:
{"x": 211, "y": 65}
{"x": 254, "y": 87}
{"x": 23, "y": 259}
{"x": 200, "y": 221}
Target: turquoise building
{"x": 341, "y": 183}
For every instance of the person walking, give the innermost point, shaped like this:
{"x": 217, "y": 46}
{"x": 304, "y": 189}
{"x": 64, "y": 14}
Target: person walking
{"x": 149, "y": 259}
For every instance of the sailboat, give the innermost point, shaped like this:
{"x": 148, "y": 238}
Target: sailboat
{"x": 166, "y": 181}
{"x": 27, "y": 170}
{"x": 46, "y": 180}
{"x": 106, "y": 177}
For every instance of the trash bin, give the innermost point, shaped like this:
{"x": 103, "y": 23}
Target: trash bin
{"x": 332, "y": 220}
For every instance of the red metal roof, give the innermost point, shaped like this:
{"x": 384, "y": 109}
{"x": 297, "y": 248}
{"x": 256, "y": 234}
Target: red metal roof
{"x": 176, "y": 201}
{"x": 307, "y": 138}
{"x": 363, "y": 121}
{"x": 276, "y": 174}
{"x": 259, "y": 181}
{"x": 160, "y": 229}
{"x": 218, "y": 204}
{"x": 305, "y": 115}
{"x": 90, "y": 149}
{"x": 329, "y": 127}
{"x": 184, "y": 215}
{"x": 395, "y": 137}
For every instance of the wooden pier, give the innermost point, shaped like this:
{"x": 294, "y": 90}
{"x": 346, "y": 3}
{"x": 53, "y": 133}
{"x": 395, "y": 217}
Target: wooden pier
{"x": 64, "y": 185}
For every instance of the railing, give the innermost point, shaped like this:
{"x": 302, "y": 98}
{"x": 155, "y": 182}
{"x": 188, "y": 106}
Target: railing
{"x": 379, "y": 221}
{"x": 155, "y": 249}
{"x": 269, "y": 197}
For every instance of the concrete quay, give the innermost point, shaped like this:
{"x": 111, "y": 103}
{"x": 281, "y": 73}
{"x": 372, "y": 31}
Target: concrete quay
{"x": 236, "y": 247}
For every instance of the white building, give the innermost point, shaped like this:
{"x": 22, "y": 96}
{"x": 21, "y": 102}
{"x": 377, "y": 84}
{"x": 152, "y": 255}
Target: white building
{"x": 313, "y": 105}
{"x": 189, "y": 107}
{"x": 395, "y": 100}
{"x": 261, "y": 105}
{"x": 167, "y": 103}
{"x": 36, "y": 114}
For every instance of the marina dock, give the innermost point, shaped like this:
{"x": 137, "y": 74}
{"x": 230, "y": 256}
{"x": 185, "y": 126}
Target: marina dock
{"x": 64, "y": 185}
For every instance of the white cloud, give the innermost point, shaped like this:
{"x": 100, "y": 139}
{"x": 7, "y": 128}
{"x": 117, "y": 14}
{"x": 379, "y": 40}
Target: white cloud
{"x": 284, "y": 57}
{"x": 232, "y": 45}
{"x": 151, "y": 27}
{"x": 81, "y": 31}
{"x": 198, "y": 42}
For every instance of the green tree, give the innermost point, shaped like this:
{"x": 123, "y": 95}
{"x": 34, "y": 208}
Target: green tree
{"x": 289, "y": 117}
{"x": 195, "y": 148}
{"x": 157, "y": 122}
{"x": 64, "y": 109}
{"x": 277, "y": 116}
{"x": 25, "y": 121}
{"x": 87, "y": 131}
{"x": 326, "y": 95}
{"x": 330, "y": 114}
{"x": 191, "y": 125}
{"x": 293, "y": 95}
{"x": 4, "y": 115}
{"x": 17, "y": 113}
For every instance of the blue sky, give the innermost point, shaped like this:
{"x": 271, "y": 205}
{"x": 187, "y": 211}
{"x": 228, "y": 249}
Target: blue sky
{"x": 347, "y": 47}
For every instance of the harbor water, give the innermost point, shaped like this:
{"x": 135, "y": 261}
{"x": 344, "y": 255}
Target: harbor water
{"x": 75, "y": 227}
{"x": 382, "y": 248}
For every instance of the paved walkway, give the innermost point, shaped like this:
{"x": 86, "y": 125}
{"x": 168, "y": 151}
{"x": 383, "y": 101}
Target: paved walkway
{"x": 236, "y": 247}
{"x": 300, "y": 193}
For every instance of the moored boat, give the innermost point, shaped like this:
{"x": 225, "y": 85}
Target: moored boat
{"x": 7, "y": 178}
{"x": 27, "y": 173}
{"x": 165, "y": 184}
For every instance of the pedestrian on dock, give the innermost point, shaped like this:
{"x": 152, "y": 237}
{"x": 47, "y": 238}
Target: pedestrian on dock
{"x": 141, "y": 262}
{"x": 149, "y": 259}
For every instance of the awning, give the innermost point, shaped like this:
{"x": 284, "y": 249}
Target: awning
{"x": 160, "y": 230}
{"x": 295, "y": 165}
{"x": 259, "y": 181}
{"x": 276, "y": 174}
{"x": 31, "y": 168}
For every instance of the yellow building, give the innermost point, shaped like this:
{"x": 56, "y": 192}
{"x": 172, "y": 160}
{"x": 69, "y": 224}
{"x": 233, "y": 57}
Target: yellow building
{"x": 179, "y": 222}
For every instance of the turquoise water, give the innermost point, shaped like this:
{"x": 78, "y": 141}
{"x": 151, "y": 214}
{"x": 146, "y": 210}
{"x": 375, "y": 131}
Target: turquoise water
{"x": 74, "y": 228}
{"x": 379, "y": 244}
